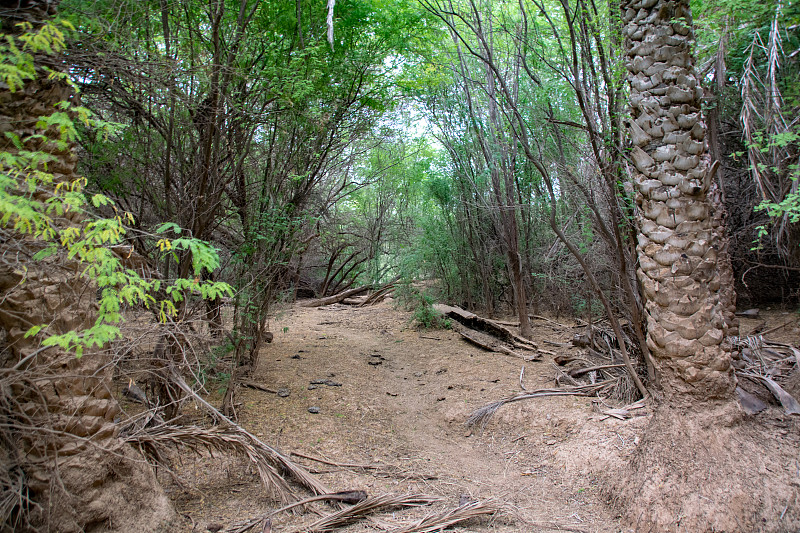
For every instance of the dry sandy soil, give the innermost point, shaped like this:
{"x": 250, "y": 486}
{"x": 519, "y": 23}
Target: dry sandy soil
{"x": 400, "y": 408}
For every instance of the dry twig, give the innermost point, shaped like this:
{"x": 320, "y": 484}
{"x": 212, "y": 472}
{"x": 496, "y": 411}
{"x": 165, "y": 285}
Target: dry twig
{"x": 331, "y": 463}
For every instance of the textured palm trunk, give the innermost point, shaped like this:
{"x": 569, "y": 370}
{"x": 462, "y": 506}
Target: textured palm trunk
{"x": 58, "y": 410}
{"x": 684, "y": 270}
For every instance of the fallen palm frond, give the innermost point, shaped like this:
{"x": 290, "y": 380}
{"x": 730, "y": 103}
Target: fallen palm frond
{"x": 153, "y": 440}
{"x": 484, "y": 414}
{"x": 439, "y": 521}
{"x": 767, "y": 363}
{"x": 271, "y": 463}
{"x": 370, "y": 505}
{"x": 353, "y": 496}
{"x": 790, "y": 405}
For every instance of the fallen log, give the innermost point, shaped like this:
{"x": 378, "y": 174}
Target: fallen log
{"x": 336, "y": 298}
{"x": 490, "y": 327}
{"x": 381, "y": 292}
{"x": 378, "y": 296}
{"x": 493, "y": 346}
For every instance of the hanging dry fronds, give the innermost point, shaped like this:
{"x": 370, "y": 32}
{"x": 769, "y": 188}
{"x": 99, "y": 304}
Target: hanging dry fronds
{"x": 764, "y": 117}
{"x": 750, "y": 116}
{"x": 774, "y": 99}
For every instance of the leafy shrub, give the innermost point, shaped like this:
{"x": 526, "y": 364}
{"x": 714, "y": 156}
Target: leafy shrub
{"x": 421, "y": 303}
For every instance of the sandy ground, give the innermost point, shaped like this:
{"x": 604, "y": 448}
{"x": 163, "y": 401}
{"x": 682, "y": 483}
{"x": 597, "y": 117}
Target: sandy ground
{"x": 400, "y": 408}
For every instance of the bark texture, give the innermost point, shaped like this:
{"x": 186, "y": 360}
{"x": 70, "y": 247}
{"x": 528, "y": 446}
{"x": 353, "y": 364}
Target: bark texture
{"x": 58, "y": 411}
{"x": 683, "y": 263}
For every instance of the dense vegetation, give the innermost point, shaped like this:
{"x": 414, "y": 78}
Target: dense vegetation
{"x": 240, "y": 154}
{"x": 481, "y": 146}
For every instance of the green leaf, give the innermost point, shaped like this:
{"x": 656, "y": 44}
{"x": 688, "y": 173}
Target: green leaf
{"x": 46, "y": 252}
{"x": 33, "y": 331}
{"x": 169, "y": 226}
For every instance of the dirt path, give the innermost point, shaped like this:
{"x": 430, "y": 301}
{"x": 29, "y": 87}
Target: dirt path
{"x": 402, "y": 403}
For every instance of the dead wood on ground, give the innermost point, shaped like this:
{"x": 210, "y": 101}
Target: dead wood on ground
{"x": 510, "y": 341}
{"x": 257, "y": 386}
{"x": 482, "y": 416}
{"x": 336, "y": 298}
{"x": 380, "y": 293}
{"x": 490, "y": 345}
{"x": 332, "y": 463}
{"x": 515, "y": 324}
{"x": 621, "y": 413}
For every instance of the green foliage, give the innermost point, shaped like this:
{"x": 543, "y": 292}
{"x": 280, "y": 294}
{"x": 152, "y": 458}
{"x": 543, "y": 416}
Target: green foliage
{"x": 18, "y": 64}
{"x": 788, "y": 208}
{"x": 421, "y": 304}
{"x": 38, "y": 219}
{"x": 427, "y": 317}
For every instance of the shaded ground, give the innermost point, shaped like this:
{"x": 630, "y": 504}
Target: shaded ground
{"x": 401, "y": 406}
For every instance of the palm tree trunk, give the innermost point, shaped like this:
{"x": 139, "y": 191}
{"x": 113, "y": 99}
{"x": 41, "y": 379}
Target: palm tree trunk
{"x": 58, "y": 410}
{"x": 682, "y": 264}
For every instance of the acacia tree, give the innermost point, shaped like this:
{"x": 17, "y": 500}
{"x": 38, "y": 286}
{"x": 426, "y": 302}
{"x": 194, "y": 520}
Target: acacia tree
{"x": 683, "y": 268}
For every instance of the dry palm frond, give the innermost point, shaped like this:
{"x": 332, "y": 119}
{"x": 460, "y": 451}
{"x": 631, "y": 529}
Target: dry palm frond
{"x": 13, "y": 496}
{"x": 344, "y": 497}
{"x": 484, "y": 414}
{"x": 439, "y": 521}
{"x": 151, "y": 441}
{"x": 751, "y": 104}
{"x": 257, "y": 451}
{"x": 366, "y": 507}
{"x": 774, "y": 51}
{"x": 790, "y": 405}
{"x": 764, "y": 118}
